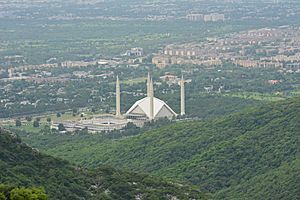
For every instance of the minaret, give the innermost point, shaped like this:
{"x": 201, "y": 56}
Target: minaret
{"x": 148, "y": 85}
{"x": 118, "y": 98}
{"x": 182, "y": 96}
{"x": 151, "y": 93}
{"x": 10, "y": 73}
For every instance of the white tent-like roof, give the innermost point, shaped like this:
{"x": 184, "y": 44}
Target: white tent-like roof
{"x": 142, "y": 107}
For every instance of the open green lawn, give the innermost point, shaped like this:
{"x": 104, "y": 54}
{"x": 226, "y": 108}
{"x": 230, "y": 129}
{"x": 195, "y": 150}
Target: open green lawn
{"x": 257, "y": 96}
{"x": 27, "y": 126}
{"x": 297, "y": 92}
{"x": 134, "y": 81}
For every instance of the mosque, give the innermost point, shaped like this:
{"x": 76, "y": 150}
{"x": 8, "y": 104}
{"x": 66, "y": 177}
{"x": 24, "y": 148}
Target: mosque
{"x": 146, "y": 109}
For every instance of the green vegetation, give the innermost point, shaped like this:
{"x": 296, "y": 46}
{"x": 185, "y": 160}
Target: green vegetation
{"x": 284, "y": 180}
{"x": 23, "y": 166}
{"x": 296, "y": 92}
{"x": 14, "y": 193}
{"x": 258, "y": 96}
{"x": 253, "y": 154}
{"x": 135, "y": 81}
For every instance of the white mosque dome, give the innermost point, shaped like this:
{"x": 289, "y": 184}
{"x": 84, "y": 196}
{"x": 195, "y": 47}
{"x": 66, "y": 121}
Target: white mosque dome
{"x": 142, "y": 108}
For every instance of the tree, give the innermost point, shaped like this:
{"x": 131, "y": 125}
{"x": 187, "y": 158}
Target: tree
{"x": 58, "y": 115}
{"x": 28, "y": 118}
{"x": 130, "y": 125}
{"x": 28, "y": 193}
{"x": 8, "y": 192}
{"x": 18, "y": 123}
{"x": 74, "y": 110}
{"x": 2, "y": 196}
{"x": 61, "y": 127}
{"x": 48, "y": 119}
{"x": 36, "y": 124}
{"x": 5, "y": 189}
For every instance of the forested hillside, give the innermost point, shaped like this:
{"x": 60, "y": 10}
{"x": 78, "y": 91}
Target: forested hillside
{"x": 254, "y": 154}
{"x": 22, "y": 166}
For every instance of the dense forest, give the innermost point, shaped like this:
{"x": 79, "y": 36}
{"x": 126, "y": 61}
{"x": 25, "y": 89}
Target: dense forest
{"x": 22, "y": 166}
{"x": 253, "y": 154}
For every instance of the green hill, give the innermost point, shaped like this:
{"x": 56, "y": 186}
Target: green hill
{"x": 23, "y": 166}
{"x": 284, "y": 180}
{"x": 254, "y": 154}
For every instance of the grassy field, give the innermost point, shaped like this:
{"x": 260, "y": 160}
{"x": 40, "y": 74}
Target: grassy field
{"x": 134, "y": 81}
{"x": 297, "y": 92}
{"x": 257, "y": 96}
{"x": 26, "y": 126}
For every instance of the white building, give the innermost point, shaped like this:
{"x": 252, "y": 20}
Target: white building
{"x": 142, "y": 108}
{"x": 137, "y": 51}
{"x": 214, "y": 17}
{"x": 150, "y": 107}
{"x": 194, "y": 17}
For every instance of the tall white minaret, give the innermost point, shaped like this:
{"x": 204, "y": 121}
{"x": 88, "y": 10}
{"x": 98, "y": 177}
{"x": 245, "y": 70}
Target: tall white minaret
{"x": 10, "y": 73}
{"x": 118, "y": 98}
{"x": 182, "y": 96}
{"x": 148, "y": 85}
{"x": 151, "y": 93}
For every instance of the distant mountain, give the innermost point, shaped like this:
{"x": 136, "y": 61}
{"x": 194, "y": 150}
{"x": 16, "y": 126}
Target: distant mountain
{"x": 249, "y": 155}
{"x": 23, "y": 166}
